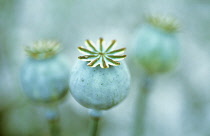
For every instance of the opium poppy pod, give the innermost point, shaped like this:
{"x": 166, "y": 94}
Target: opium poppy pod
{"x": 45, "y": 74}
{"x": 156, "y": 46}
{"x": 104, "y": 86}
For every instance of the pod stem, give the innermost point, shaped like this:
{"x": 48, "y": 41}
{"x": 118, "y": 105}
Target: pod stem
{"x": 141, "y": 107}
{"x": 52, "y": 117}
{"x": 95, "y": 117}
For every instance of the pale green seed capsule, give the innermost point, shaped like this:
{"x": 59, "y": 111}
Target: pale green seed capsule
{"x": 45, "y": 74}
{"x": 156, "y": 46}
{"x": 98, "y": 88}
{"x": 103, "y": 87}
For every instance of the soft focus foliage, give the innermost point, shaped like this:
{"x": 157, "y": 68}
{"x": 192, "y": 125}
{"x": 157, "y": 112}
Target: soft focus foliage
{"x": 179, "y": 102}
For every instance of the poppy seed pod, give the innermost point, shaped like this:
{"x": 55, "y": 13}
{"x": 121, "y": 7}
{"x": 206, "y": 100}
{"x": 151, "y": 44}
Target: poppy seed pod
{"x": 156, "y": 45}
{"x": 45, "y": 74}
{"x": 100, "y": 87}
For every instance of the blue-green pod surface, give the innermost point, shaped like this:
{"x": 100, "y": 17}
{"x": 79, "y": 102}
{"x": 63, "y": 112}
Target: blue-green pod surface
{"x": 156, "y": 47}
{"x": 45, "y": 79}
{"x": 99, "y": 88}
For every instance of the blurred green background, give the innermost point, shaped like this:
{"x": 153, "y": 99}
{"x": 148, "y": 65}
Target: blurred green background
{"x": 179, "y": 104}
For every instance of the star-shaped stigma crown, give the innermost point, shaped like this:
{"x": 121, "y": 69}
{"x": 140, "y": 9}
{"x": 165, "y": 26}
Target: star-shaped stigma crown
{"x": 99, "y": 55}
{"x": 166, "y": 23}
{"x": 43, "y": 49}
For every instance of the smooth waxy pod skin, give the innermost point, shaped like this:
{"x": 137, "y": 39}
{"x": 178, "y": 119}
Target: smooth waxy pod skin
{"x": 103, "y": 82}
{"x": 157, "y": 47}
{"x": 98, "y": 88}
{"x": 45, "y": 79}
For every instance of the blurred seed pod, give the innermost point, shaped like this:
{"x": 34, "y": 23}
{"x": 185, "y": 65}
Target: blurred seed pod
{"x": 45, "y": 74}
{"x": 156, "y": 47}
{"x": 100, "y": 87}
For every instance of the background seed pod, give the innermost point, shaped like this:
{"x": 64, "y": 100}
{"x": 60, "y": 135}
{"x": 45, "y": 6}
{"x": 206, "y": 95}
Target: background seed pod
{"x": 45, "y": 80}
{"x": 156, "y": 50}
{"x": 99, "y": 88}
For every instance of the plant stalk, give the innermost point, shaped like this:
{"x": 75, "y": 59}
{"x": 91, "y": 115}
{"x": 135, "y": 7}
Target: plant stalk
{"x": 94, "y": 127}
{"x": 52, "y": 117}
{"x": 141, "y": 107}
{"x": 95, "y": 117}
